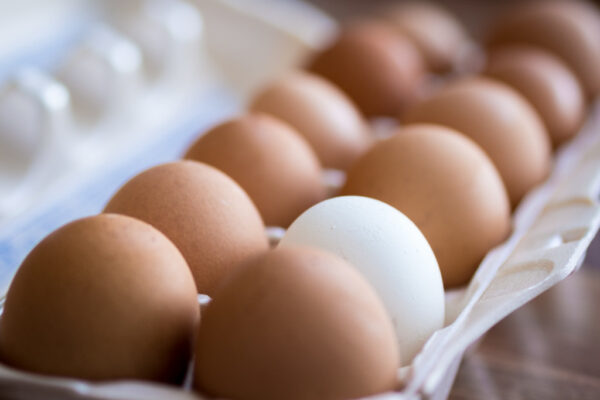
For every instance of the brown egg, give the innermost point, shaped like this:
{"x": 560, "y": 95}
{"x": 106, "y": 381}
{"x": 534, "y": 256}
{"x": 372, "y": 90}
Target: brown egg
{"x": 570, "y": 29}
{"x": 319, "y": 111}
{"x": 438, "y": 35}
{"x": 296, "y": 323}
{"x": 102, "y": 298}
{"x": 378, "y": 68}
{"x": 546, "y": 82}
{"x": 204, "y": 212}
{"x": 269, "y": 160}
{"x": 501, "y": 121}
{"x": 446, "y": 185}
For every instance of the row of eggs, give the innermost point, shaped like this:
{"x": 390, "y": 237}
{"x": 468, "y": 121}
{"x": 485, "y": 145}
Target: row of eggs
{"x": 111, "y": 297}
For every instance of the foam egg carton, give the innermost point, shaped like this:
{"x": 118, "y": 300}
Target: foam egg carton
{"x": 553, "y": 226}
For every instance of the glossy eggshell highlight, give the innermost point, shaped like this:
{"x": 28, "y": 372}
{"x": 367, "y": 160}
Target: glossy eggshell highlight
{"x": 437, "y": 33}
{"x": 320, "y": 112}
{"x": 569, "y": 29}
{"x": 295, "y": 323}
{"x": 390, "y": 252}
{"x": 102, "y": 298}
{"x": 379, "y": 69}
{"x": 498, "y": 119}
{"x": 269, "y": 160}
{"x": 447, "y": 186}
{"x": 208, "y": 216}
{"x": 546, "y": 82}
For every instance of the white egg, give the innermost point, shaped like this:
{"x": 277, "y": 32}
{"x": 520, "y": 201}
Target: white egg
{"x": 391, "y": 253}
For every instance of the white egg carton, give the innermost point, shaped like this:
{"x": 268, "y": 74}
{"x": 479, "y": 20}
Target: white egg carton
{"x": 553, "y": 226}
{"x": 97, "y": 103}
{"x": 114, "y": 83}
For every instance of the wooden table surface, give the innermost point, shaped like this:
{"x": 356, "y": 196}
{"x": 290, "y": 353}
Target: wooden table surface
{"x": 550, "y": 348}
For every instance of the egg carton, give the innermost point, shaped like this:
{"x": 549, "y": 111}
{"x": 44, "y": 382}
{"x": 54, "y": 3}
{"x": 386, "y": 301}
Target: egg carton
{"x": 147, "y": 114}
{"x": 553, "y": 226}
{"x": 91, "y": 99}
{"x": 105, "y": 87}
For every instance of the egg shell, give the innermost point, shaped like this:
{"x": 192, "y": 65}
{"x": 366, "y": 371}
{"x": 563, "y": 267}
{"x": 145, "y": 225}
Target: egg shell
{"x": 296, "y": 323}
{"x": 570, "y": 29}
{"x": 378, "y": 68}
{"x": 208, "y": 216}
{"x": 390, "y": 252}
{"x": 447, "y": 186}
{"x": 102, "y": 298}
{"x": 546, "y": 82}
{"x": 439, "y": 36}
{"x": 498, "y": 119}
{"x": 320, "y": 112}
{"x": 269, "y": 160}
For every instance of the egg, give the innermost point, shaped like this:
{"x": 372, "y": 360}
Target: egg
{"x": 269, "y": 160}
{"x": 546, "y": 82}
{"x": 390, "y": 252}
{"x": 379, "y": 69}
{"x": 498, "y": 119}
{"x": 439, "y": 36}
{"x": 570, "y": 29}
{"x": 102, "y": 298}
{"x": 447, "y": 186}
{"x": 320, "y": 112}
{"x": 295, "y": 323}
{"x": 208, "y": 216}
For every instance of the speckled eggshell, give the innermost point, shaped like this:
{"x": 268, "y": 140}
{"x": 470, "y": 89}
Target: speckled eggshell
{"x": 546, "y": 82}
{"x": 269, "y": 160}
{"x": 447, "y": 186}
{"x": 102, "y": 298}
{"x": 498, "y": 119}
{"x": 295, "y": 323}
{"x": 390, "y": 252}
{"x": 381, "y": 70}
{"x": 208, "y": 216}
{"x": 569, "y": 29}
{"x": 320, "y": 112}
